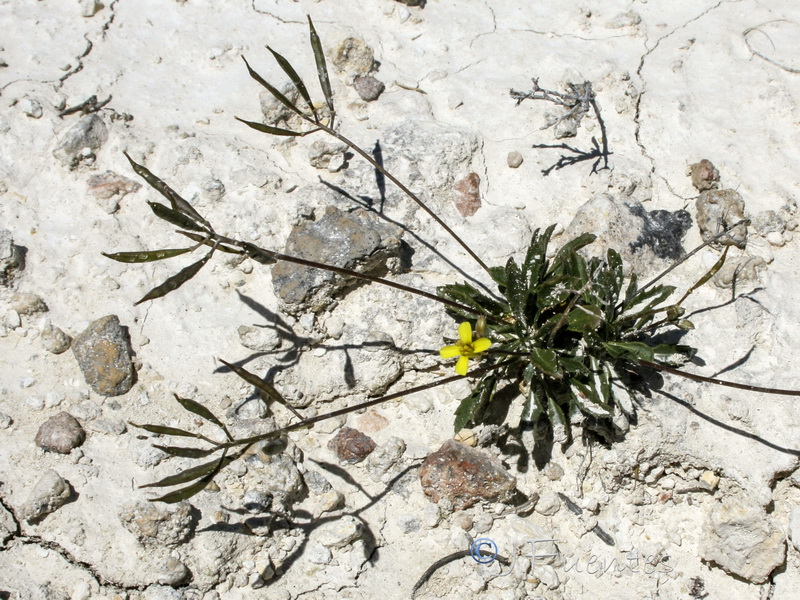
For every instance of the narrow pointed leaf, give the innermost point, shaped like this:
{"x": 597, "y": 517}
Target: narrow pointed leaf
{"x": 269, "y": 129}
{"x": 175, "y": 217}
{"x": 546, "y": 361}
{"x": 187, "y": 475}
{"x": 201, "y": 411}
{"x": 630, "y": 350}
{"x": 185, "y": 452}
{"x": 298, "y": 83}
{"x": 146, "y": 255}
{"x": 185, "y": 493}
{"x": 175, "y": 200}
{"x": 272, "y": 90}
{"x": 558, "y": 421}
{"x": 164, "y": 430}
{"x": 322, "y": 68}
{"x": 256, "y": 381}
{"x": 259, "y": 254}
{"x": 176, "y": 281}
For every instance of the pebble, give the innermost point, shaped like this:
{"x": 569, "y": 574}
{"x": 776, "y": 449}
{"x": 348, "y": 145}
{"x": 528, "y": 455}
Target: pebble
{"x": 12, "y": 258}
{"x": 716, "y": 211}
{"x": 704, "y": 174}
{"x": 351, "y": 446}
{"x": 549, "y": 504}
{"x": 27, "y": 304}
{"x": 109, "y": 184}
{"x": 81, "y": 140}
{"x": 102, "y": 352}
{"x": 467, "y": 194}
{"x": 514, "y": 159}
{"x": 5, "y": 421}
{"x": 354, "y": 57}
{"x": 259, "y": 339}
{"x": 159, "y": 524}
{"x": 340, "y": 532}
{"x": 54, "y": 340}
{"x": 464, "y": 476}
{"x": 368, "y": 88}
{"x": 709, "y": 480}
{"x": 49, "y": 494}
{"x": 60, "y": 433}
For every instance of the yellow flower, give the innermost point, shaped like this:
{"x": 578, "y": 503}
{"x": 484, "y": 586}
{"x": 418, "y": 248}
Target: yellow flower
{"x": 465, "y": 348}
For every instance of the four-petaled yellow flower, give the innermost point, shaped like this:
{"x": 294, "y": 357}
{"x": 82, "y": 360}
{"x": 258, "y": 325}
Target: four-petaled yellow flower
{"x": 465, "y": 348}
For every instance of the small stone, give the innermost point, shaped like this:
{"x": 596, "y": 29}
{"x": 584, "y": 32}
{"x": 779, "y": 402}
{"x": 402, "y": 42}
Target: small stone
{"x": 108, "y": 184}
{"x": 27, "y": 304}
{"x": 386, "y": 456}
{"x": 60, "y": 433}
{"x": 5, "y": 421}
{"x": 372, "y": 421}
{"x": 27, "y": 382}
{"x": 464, "y": 476}
{"x": 354, "y": 57}
{"x": 90, "y": 8}
{"x": 716, "y": 211}
{"x": 171, "y": 571}
{"x": 514, "y": 159}
{"x": 31, "y": 108}
{"x": 549, "y": 504}
{"x": 325, "y": 155}
{"x": 467, "y": 194}
{"x": 54, "y": 339}
{"x": 554, "y": 471}
{"x": 368, "y": 88}
{"x": 49, "y": 494}
{"x": 709, "y": 480}
{"x": 158, "y": 525}
{"x": 318, "y": 554}
{"x": 704, "y": 175}
{"x": 103, "y": 354}
{"x": 339, "y": 533}
{"x": 467, "y": 437}
{"x": 12, "y": 258}
{"x": 81, "y": 140}
{"x": 260, "y": 339}
{"x": 350, "y": 445}
{"x": 739, "y": 537}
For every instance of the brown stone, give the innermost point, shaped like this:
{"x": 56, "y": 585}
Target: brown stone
{"x": 60, "y": 433}
{"x": 704, "y": 175}
{"x": 103, "y": 354}
{"x": 350, "y": 445}
{"x": 467, "y": 195}
{"x": 464, "y": 476}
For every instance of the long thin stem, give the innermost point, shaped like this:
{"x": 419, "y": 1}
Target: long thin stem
{"x": 715, "y": 381}
{"x": 343, "y": 411}
{"x": 355, "y": 274}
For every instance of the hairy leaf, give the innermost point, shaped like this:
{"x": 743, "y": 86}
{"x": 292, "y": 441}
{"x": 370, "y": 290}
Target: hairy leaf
{"x": 322, "y": 68}
{"x": 546, "y": 361}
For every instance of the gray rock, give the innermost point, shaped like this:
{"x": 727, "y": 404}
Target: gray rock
{"x": 368, "y": 88}
{"x": 646, "y": 241}
{"x": 27, "y": 304}
{"x": 353, "y": 57}
{"x": 49, "y": 494}
{"x": 60, "y": 433}
{"x": 103, "y": 354}
{"x": 170, "y": 571}
{"x": 356, "y": 241}
{"x": 5, "y": 420}
{"x": 8, "y": 525}
{"x": 260, "y": 339}
{"x": 12, "y": 258}
{"x": 327, "y": 155}
{"x": 716, "y": 211}
{"x": 81, "y": 141}
{"x": 54, "y": 339}
{"x": 549, "y": 504}
{"x": 339, "y": 532}
{"x": 464, "y": 476}
{"x": 158, "y": 525}
{"x": 276, "y": 476}
{"x": 739, "y": 537}
{"x": 351, "y": 446}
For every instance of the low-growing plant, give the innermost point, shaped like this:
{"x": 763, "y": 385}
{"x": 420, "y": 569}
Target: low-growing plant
{"x": 561, "y": 336}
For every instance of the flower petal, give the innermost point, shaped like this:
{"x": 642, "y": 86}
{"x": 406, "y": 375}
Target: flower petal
{"x": 450, "y": 351}
{"x": 462, "y": 365}
{"x": 481, "y": 345}
{"x": 465, "y": 332}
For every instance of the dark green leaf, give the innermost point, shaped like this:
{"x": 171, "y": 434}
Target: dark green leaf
{"x": 189, "y": 474}
{"x": 298, "y": 83}
{"x": 322, "y": 68}
{"x": 184, "y": 452}
{"x": 630, "y": 350}
{"x": 174, "y": 217}
{"x": 583, "y": 319}
{"x": 517, "y": 292}
{"x": 588, "y": 399}
{"x": 272, "y": 90}
{"x": 175, "y": 200}
{"x": 558, "y": 421}
{"x": 269, "y": 129}
{"x": 185, "y": 493}
{"x": 535, "y": 265}
{"x": 546, "y": 361}
{"x": 146, "y": 255}
{"x": 499, "y": 275}
{"x": 469, "y": 406}
{"x": 570, "y": 247}
{"x": 163, "y": 430}
{"x": 201, "y": 411}
{"x": 177, "y": 280}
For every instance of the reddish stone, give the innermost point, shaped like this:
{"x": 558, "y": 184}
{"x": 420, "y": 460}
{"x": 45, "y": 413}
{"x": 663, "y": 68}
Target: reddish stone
{"x": 467, "y": 195}
{"x": 350, "y": 445}
{"x": 464, "y": 476}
